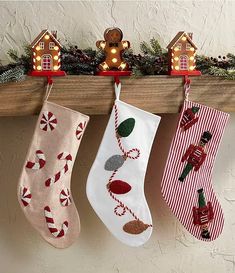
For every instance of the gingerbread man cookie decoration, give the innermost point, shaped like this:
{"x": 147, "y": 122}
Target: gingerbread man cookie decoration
{"x": 113, "y": 46}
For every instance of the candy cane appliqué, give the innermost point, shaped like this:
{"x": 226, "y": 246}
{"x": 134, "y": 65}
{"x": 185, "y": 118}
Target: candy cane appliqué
{"x": 48, "y": 121}
{"x": 65, "y": 198}
{"x": 80, "y": 130}
{"x": 25, "y": 196}
{"x": 51, "y": 224}
{"x": 37, "y": 165}
{"x": 68, "y": 159}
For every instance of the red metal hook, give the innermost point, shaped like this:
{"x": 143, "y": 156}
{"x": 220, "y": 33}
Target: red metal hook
{"x": 49, "y": 80}
{"x": 187, "y": 80}
{"x": 116, "y": 80}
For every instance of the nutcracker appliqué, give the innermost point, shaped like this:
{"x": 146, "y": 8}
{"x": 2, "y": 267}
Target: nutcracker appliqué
{"x": 189, "y": 118}
{"x": 195, "y": 156}
{"x": 203, "y": 214}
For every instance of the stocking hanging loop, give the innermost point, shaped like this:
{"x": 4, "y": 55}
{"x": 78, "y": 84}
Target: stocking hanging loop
{"x": 48, "y": 90}
{"x": 187, "y": 82}
{"x": 117, "y": 88}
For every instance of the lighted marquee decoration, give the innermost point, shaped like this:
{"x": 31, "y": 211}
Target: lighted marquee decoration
{"x": 113, "y": 47}
{"x": 46, "y": 55}
{"x": 181, "y": 52}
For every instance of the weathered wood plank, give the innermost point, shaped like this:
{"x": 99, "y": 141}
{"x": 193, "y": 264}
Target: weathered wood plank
{"x": 94, "y": 94}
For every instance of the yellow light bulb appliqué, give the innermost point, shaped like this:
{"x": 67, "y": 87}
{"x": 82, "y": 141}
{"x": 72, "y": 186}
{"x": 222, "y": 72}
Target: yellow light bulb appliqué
{"x": 38, "y": 58}
{"x": 39, "y": 67}
{"x": 47, "y": 37}
{"x": 191, "y": 58}
{"x": 191, "y": 67}
{"x": 191, "y": 49}
{"x": 176, "y": 49}
{"x": 56, "y": 47}
{"x": 114, "y": 60}
{"x": 177, "y": 67}
{"x": 176, "y": 58}
{"x": 38, "y": 48}
{"x": 113, "y": 51}
{"x": 56, "y": 57}
{"x": 184, "y": 38}
{"x": 56, "y": 67}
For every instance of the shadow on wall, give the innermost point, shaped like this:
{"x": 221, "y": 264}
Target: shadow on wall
{"x": 14, "y": 229}
{"x": 163, "y": 220}
{"x": 16, "y": 134}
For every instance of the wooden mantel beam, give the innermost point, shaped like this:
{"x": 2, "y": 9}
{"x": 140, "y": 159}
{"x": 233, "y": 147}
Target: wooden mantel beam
{"x": 94, "y": 95}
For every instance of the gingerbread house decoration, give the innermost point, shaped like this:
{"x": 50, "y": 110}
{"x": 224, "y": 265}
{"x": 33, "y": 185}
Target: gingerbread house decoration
{"x": 46, "y": 56}
{"x": 181, "y": 52}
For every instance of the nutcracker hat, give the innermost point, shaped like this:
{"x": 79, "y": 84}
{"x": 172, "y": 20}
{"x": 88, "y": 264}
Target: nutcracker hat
{"x": 206, "y": 137}
{"x": 195, "y": 109}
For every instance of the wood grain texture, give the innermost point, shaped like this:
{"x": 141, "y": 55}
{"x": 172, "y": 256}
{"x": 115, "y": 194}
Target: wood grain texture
{"x": 94, "y": 95}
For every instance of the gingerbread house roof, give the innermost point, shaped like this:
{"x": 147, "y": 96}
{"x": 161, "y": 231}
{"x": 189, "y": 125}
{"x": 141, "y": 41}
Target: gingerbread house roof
{"x": 178, "y": 37}
{"x": 41, "y": 35}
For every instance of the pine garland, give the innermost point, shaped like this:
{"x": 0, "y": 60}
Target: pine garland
{"x": 80, "y": 62}
{"x": 13, "y": 75}
{"x": 153, "y": 60}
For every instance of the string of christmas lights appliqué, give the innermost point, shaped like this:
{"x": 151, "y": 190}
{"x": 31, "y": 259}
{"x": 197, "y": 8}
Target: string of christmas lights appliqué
{"x": 119, "y": 187}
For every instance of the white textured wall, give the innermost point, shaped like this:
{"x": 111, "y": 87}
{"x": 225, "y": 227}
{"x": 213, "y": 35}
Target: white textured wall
{"x": 212, "y": 22}
{"x": 171, "y": 249}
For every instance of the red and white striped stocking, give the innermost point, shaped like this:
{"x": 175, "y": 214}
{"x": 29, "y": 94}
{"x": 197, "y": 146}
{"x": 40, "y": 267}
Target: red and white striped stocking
{"x": 44, "y": 185}
{"x": 115, "y": 186}
{"x": 186, "y": 184}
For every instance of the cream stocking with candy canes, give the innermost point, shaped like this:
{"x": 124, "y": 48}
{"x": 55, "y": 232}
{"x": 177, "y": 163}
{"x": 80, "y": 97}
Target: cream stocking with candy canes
{"x": 186, "y": 184}
{"x": 44, "y": 185}
{"x": 115, "y": 186}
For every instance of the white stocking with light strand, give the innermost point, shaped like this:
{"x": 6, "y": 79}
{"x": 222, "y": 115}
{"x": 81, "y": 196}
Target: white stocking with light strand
{"x": 115, "y": 186}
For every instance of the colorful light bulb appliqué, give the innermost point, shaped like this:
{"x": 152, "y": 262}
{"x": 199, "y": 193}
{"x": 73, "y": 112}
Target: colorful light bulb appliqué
{"x": 120, "y": 187}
